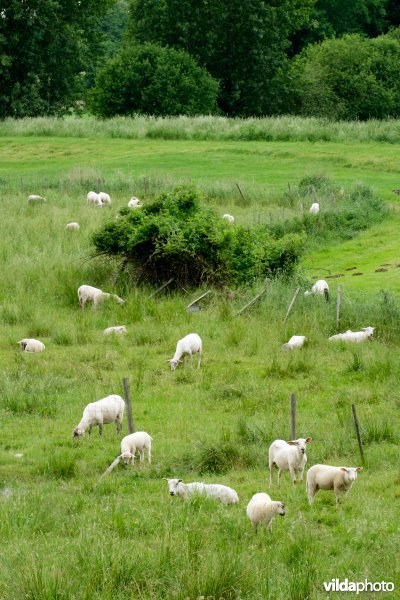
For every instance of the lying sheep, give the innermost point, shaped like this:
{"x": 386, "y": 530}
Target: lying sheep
{"x": 105, "y": 198}
{"x": 34, "y": 199}
{"x": 73, "y": 226}
{"x": 31, "y": 345}
{"x": 220, "y": 492}
{"x": 314, "y": 208}
{"x": 296, "y": 341}
{"x": 354, "y": 336}
{"x": 288, "y": 456}
{"x": 261, "y": 509}
{"x": 134, "y": 202}
{"x": 320, "y": 287}
{"x": 136, "y": 442}
{"x": 190, "y": 344}
{"x": 325, "y": 477}
{"x": 104, "y": 411}
{"x": 93, "y": 198}
{"x": 119, "y": 329}
{"x": 88, "y": 293}
{"x": 228, "y": 218}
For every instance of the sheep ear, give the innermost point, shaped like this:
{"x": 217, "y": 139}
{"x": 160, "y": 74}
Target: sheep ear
{"x": 308, "y": 440}
{"x": 179, "y": 480}
{"x": 359, "y": 468}
{"x": 344, "y": 469}
{"x": 292, "y": 442}
{"x": 169, "y": 360}
{"x": 164, "y": 478}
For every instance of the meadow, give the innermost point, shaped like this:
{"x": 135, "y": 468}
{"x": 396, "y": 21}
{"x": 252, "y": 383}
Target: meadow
{"x": 69, "y": 534}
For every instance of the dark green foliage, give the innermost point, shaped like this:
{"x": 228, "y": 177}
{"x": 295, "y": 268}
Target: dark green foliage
{"x": 176, "y": 236}
{"x": 153, "y": 80}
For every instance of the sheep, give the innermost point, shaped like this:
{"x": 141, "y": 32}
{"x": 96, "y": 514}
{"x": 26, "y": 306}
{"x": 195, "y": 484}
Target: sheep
{"x": 116, "y": 329}
{"x": 288, "y": 456}
{"x": 136, "y": 442}
{"x": 314, "y": 208}
{"x": 104, "y": 411}
{"x": 73, "y": 226}
{"x": 296, "y": 341}
{"x": 134, "y": 202}
{"x": 93, "y": 198}
{"x": 261, "y": 509}
{"x": 31, "y": 345}
{"x": 217, "y": 491}
{"x": 320, "y": 287}
{"x": 190, "y": 344}
{"x": 105, "y": 198}
{"x": 354, "y": 336}
{"x": 228, "y": 218}
{"x": 88, "y": 293}
{"x": 325, "y": 477}
{"x": 34, "y": 199}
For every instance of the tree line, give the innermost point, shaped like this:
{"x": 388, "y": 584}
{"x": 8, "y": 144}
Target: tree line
{"x": 330, "y": 58}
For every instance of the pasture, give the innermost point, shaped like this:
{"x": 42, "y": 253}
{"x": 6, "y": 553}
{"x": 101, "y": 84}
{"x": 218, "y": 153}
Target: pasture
{"x": 66, "y": 533}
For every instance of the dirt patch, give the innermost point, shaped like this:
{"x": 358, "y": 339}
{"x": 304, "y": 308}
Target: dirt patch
{"x": 380, "y": 270}
{"x": 350, "y": 268}
{"x": 355, "y": 274}
{"x": 334, "y": 276}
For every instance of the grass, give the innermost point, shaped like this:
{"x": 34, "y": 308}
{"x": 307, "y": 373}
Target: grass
{"x": 66, "y": 533}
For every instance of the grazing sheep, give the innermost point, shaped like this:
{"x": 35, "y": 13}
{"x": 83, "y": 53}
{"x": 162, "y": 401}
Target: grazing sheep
{"x": 134, "y": 202}
{"x": 136, "y": 442}
{"x": 190, "y": 344}
{"x": 104, "y": 411}
{"x": 116, "y": 329}
{"x": 105, "y": 198}
{"x": 325, "y": 477}
{"x": 320, "y": 287}
{"x": 296, "y": 341}
{"x": 354, "y": 336}
{"x": 31, "y": 345}
{"x": 314, "y": 208}
{"x": 288, "y": 456}
{"x": 228, "y": 218}
{"x": 88, "y": 293}
{"x": 261, "y": 509}
{"x": 73, "y": 226}
{"x": 93, "y": 198}
{"x": 34, "y": 199}
{"x": 220, "y": 492}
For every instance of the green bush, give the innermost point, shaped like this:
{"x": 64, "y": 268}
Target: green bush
{"x": 175, "y": 236}
{"x": 149, "y": 79}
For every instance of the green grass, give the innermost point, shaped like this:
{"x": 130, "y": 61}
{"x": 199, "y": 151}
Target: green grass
{"x": 66, "y": 533}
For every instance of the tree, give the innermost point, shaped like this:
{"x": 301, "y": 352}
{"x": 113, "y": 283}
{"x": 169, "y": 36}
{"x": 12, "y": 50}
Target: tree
{"x": 149, "y": 79}
{"x": 45, "y": 46}
{"x": 242, "y": 44}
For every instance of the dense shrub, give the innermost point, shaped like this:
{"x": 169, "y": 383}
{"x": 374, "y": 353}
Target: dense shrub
{"x": 175, "y": 236}
{"x": 149, "y": 79}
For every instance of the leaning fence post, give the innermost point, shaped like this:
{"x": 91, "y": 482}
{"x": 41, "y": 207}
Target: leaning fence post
{"x": 291, "y": 304}
{"x": 293, "y": 415}
{"x": 131, "y": 427}
{"x": 240, "y": 192}
{"x": 356, "y": 425}
{"x": 339, "y": 301}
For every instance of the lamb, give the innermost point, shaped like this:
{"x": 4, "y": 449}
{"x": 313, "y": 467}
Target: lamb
{"x": 325, "y": 477}
{"x": 88, "y": 293}
{"x": 288, "y": 456}
{"x": 136, "y": 442}
{"x": 261, "y": 509}
{"x": 31, "y": 345}
{"x": 93, "y": 198}
{"x": 119, "y": 329}
{"x": 296, "y": 341}
{"x": 220, "y": 492}
{"x": 320, "y": 287}
{"x": 314, "y": 208}
{"x": 354, "y": 336}
{"x": 34, "y": 199}
{"x": 105, "y": 198}
{"x": 190, "y": 344}
{"x": 134, "y": 202}
{"x": 228, "y": 218}
{"x": 73, "y": 226}
{"x": 104, "y": 411}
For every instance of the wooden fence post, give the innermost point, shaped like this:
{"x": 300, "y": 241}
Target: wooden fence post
{"x": 291, "y": 304}
{"x": 293, "y": 415}
{"x": 131, "y": 426}
{"x": 241, "y": 193}
{"x": 356, "y": 425}
{"x": 251, "y": 302}
{"x": 161, "y": 287}
{"x": 339, "y": 301}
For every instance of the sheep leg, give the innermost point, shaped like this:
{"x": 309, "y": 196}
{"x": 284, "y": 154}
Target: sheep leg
{"x": 199, "y": 361}
{"x": 300, "y": 474}
{"x": 82, "y": 303}
{"x": 337, "y": 494}
{"x": 149, "y": 456}
{"x": 90, "y": 429}
{"x": 191, "y": 360}
{"x": 119, "y": 425}
{"x": 100, "y": 428}
{"x": 311, "y": 493}
{"x": 279, "y": 477}
{"x": 293, "y": 475}
{"x": 270, "y": 525}
{"x": 271, "y": 467}
{"x": 141, "y": 455}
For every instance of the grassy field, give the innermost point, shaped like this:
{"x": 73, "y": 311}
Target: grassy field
{"x": 66, "y": 533}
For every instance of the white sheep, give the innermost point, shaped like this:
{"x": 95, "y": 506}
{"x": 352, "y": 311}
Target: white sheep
{"x": 261, "y": 509}
{"x": 314, "y": 208}
{"x": 320, "y": 287}
{"x": 31, "y": 345}
{"x": 105, "y": 198}
{"x": 119, "y": 329}
{"x": 325, "y": 477}
{"x": 288, "y": 456}
{"x": 228, "y": 218}
{"x": 104, "y": 411}
{"x": 190, "y": 344}
{"x": 354, "y": 336}
{"x": 218, "y": 491}
{"x": 136, "y": 442}
{"x": 34, "y": 199}
{"x": 296, "y": 341}
{"x": 88, "y": 293}
{"x": 73, "y": 226}
{"x": 93, "y": 198}
{"x": 134, "y": 202}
